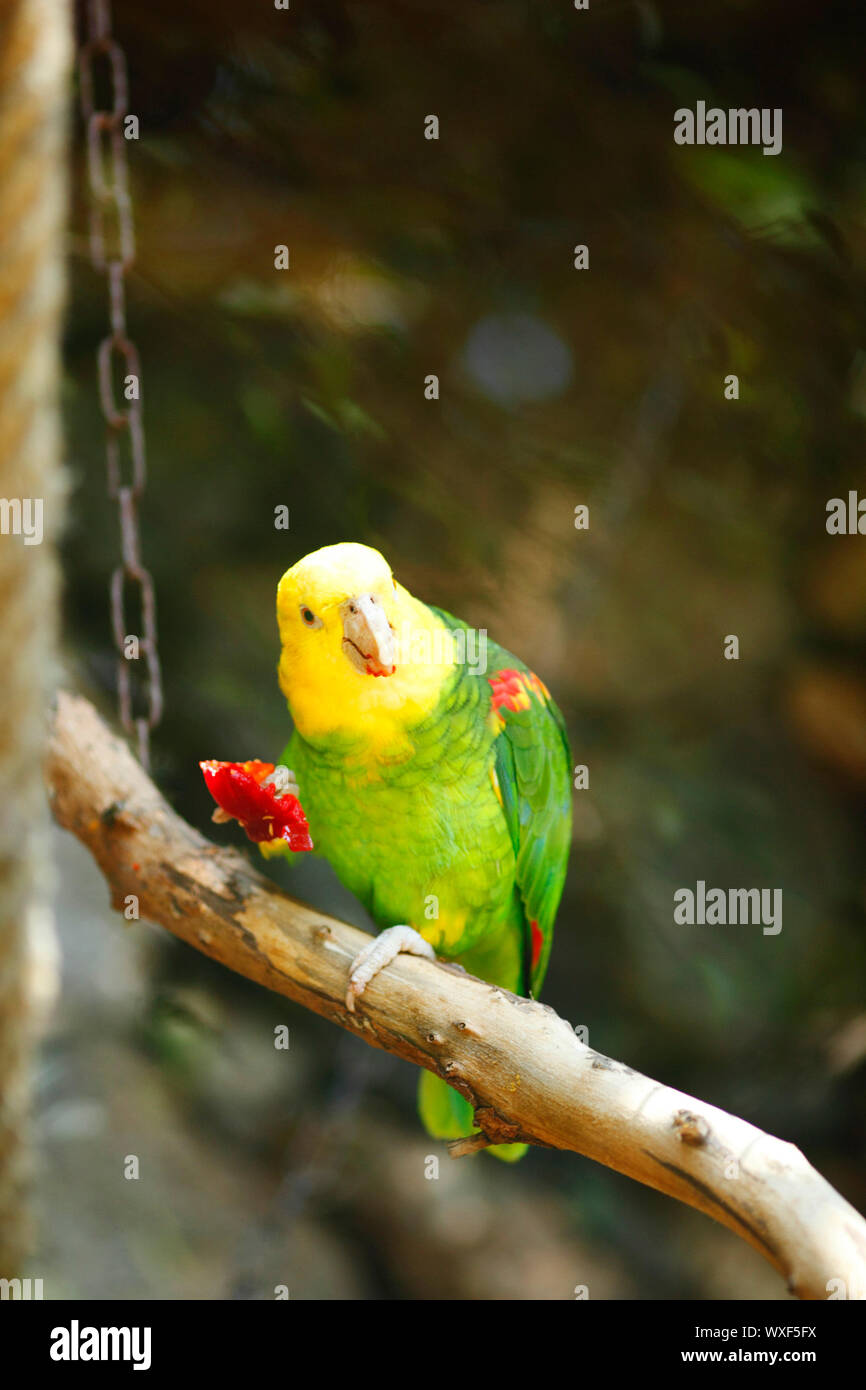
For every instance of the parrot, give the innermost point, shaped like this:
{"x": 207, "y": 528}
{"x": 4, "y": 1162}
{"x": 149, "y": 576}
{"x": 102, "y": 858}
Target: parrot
{"x": 435, "y": 774}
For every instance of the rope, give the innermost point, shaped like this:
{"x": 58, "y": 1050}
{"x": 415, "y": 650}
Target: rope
{"x": 35, "y": 50}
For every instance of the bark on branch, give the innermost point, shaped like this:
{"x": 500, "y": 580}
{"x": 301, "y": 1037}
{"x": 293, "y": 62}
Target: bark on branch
{"x": 521, "y": 1066}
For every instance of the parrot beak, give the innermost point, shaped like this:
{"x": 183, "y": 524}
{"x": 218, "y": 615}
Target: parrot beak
{"x": 368, "y": 640}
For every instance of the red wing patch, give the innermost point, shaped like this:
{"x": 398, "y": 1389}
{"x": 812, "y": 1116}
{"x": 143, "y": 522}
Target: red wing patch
{"x": 514, "y": 690}
{"x": 537, "y": 943}
{"x": 237, "y": 789}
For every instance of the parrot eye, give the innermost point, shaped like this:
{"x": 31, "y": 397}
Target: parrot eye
{"x": 308, "y": 617}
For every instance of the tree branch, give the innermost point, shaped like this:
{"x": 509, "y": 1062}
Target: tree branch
{"x": 519, "y": 1064}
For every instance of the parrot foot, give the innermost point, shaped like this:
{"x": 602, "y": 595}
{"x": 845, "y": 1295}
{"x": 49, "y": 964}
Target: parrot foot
{"x": 392, "y": 942}
{"x": 283, "y": 780}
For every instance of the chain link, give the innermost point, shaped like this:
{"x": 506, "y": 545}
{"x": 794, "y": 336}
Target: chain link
{"x": 112, "y": 253}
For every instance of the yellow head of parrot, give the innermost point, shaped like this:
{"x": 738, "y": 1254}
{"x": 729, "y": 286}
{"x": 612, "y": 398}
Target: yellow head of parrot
{"x": 351, "y": 656}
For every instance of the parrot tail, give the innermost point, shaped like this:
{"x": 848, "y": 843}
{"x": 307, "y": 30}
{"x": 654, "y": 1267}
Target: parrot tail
{"x": 446, "y": 1115}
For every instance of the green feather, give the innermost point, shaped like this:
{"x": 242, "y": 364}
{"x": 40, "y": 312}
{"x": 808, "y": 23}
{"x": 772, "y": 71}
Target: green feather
{"x": 446, "y": 1115}
{"x": 533, "y": 767}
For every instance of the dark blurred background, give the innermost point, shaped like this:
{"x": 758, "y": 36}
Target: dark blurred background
{"x": 558, "y": 387}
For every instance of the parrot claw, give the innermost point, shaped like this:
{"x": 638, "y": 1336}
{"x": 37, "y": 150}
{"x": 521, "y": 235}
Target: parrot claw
{"x": 392, "y": 942}
{"x": 283, "y": 781}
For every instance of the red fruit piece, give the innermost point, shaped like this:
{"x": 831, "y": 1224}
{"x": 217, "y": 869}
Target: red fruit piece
{"x": 237, "y": 789}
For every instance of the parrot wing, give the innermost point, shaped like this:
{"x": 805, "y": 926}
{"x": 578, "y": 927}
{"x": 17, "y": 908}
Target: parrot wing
{"x": 533, "y": 777}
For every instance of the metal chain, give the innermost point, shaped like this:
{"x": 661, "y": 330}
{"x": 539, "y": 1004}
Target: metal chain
{"x": 112, "y": 253}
